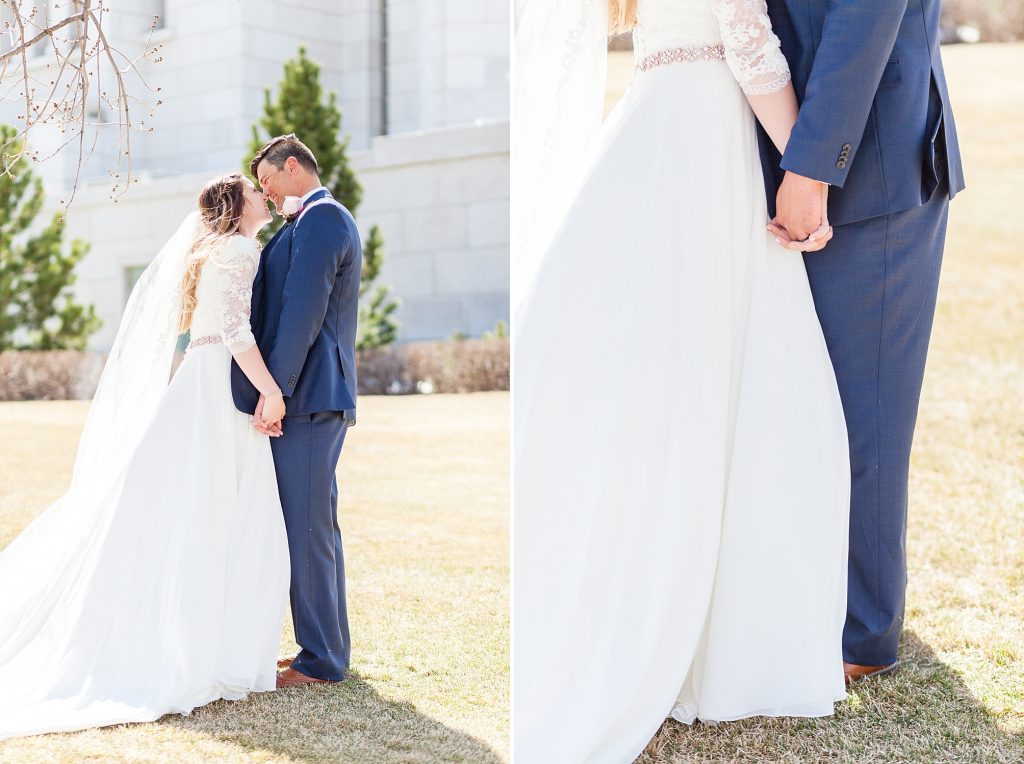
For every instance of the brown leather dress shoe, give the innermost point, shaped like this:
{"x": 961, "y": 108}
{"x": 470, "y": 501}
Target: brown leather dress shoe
{"x": 854, "y": 672}
{"x": 284, "y": 662}
{"x": 292, "y": 678}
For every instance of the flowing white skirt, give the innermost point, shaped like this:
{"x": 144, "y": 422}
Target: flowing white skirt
{"x": 681, "y": 475}
{"x": 164, "y": 596}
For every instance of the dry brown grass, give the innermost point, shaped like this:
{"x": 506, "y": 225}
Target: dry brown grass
{"x": 960, "y": 696}
{"x": 424, "y": 514}
{"x": 425, "y": 497}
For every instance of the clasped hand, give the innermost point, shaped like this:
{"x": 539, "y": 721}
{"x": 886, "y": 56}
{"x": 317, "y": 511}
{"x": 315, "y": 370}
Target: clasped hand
{"x": 801, "y": 214}
{"x": 268, "y": 415}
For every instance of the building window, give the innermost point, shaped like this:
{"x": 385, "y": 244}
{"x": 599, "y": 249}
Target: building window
{"x": 131, "y": 275}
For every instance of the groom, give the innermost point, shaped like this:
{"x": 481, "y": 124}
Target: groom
{"x": 875, "y": 124}
{"x": 304, "y": 307}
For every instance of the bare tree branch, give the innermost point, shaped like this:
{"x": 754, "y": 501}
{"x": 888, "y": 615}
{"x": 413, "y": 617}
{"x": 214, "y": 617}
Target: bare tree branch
{"x": 48, "y": 32}
{"x": 65, "y": 89}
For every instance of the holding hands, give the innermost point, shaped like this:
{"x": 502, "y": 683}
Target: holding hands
{"x": 270, "y": 410}
{"x": 801, "y": 214}
{"x": 270, "y": 407}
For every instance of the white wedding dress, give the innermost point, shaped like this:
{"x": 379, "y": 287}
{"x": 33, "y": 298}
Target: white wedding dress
{"x": 680, "y": 465}
{"x": 158, "y": 583}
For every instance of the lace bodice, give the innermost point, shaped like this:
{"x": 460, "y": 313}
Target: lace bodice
{"x": 742, "y": 27}
{"x": 224, "y": 293}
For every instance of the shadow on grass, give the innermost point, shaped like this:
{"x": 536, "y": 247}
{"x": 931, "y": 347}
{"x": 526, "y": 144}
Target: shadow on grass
{"x": 349, "y": 722}
{"x": 924, "y": 714}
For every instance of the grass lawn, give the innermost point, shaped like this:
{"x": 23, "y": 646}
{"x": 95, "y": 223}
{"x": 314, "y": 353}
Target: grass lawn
{"x": 424, "y": 514}
{"x": 960, "y": 696}
{"x": 424, "y": 505}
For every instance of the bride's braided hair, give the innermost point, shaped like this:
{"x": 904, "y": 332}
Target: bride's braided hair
{"x": 621, "y": 16}
{"x": 221, "y": 203}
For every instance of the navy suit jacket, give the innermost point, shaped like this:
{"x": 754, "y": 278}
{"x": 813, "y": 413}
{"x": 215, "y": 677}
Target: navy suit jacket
{"x": 305, "y": 302}
{"x": 875, "y": 120}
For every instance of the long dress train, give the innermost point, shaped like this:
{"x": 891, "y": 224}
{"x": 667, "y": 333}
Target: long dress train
{"x": 163, "y": 588}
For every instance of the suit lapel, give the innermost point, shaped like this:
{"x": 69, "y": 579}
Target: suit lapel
{"x": 266, "y": 253}
{"x": 323, "y": 193}
{"x": 278, "y": 236}
{"x": 317, "y": 196}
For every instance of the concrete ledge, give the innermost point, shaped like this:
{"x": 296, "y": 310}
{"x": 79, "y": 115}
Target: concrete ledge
{"x": 425, "y": 146}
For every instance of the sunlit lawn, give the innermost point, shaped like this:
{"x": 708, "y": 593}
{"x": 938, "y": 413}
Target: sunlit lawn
{"x": 424, "y": 514}
{"x": 424, "y": 495}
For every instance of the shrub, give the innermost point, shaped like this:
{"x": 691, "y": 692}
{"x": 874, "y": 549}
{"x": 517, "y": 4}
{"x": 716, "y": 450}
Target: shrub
{"x": 997, "y": 20}
{"x": 428, "y": 367}
{"x": 462, "y": 366}
{"x": 49, "y": 375}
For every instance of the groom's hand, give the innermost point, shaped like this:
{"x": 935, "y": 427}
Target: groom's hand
{"x": 798, "y": 207}
{"x": 821, "y": 234}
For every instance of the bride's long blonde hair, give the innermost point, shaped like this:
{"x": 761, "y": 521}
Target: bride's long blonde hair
{"x": 221, "y": 203}
{"x": 621, "y": 16}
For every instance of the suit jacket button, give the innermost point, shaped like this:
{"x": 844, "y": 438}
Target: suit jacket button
{"x": 847, "y": 148}
{"x": 841, "y": 164}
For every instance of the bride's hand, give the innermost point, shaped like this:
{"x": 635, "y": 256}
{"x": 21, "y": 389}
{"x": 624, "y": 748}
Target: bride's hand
{"x": 273, "y": 408}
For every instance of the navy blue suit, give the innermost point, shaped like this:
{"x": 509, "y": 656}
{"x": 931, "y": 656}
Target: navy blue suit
{"x": 304, "y": 310}
{"x": 875, "y": 123}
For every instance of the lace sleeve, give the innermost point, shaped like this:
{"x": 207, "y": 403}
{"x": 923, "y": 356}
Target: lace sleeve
{"x": 236, "y": 262}
{"x": 751, "y": 48}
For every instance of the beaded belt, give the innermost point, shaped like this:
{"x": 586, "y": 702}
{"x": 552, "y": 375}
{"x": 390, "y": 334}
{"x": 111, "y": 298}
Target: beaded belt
{"x": 682, "y": 56}
{"x": 209, "y": 339}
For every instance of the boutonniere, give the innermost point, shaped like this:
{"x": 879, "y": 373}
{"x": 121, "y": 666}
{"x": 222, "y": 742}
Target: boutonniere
{"x": 291, "y": 207}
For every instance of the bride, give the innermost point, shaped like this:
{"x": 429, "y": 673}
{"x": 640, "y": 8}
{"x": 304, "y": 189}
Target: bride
{"x": 158, "y": 582}
{"x": 680, "y": 464}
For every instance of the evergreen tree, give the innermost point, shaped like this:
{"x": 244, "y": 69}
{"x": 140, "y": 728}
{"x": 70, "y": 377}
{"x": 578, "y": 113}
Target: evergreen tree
{"x": 300, "y": 108}
{"x": 37, "y": 310}
{"x": 499, "y": 332}
{"x": 377, "y": 326}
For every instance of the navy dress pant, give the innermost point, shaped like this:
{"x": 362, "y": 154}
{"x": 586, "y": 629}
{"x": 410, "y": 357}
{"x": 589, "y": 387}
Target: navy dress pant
{"x": 874, "y": 289}
{"x": 306, "y": 458}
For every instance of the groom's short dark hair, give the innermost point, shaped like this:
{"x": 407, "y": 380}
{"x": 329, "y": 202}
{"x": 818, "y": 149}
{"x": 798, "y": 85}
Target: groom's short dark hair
{"x": 278, "y": 149}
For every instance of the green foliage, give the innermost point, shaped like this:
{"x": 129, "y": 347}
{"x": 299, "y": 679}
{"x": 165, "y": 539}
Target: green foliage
{"x": 377, "y": 325}
{"x": 499, "y": 332}
{"x": 300, "y": 108}
{"x": 37, "y": 311}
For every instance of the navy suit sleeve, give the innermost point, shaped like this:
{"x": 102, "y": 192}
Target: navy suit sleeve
{"x": 319, "y": 248}
{"x": 856, "y": 41}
